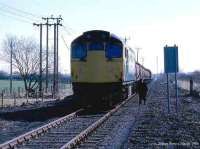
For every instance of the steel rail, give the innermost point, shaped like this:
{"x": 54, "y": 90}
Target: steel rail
{"x": 85, "y": 133}
{"x": 38, "y": 131}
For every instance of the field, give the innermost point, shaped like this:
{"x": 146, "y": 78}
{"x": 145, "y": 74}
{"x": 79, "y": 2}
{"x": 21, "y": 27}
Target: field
{"x": 5, "y": 84}
{"x": 64, "y": 90}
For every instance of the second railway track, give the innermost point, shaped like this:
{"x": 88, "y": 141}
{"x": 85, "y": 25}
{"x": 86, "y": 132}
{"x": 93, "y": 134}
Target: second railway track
{"x": 82, "y": 131}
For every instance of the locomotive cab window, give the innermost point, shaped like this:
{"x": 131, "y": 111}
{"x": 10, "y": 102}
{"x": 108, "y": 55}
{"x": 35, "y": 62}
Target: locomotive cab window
{"x": 79, "y": 51}
{"x": 113, "y": 50}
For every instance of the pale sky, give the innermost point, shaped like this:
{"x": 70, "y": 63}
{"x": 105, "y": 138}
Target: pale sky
{"x": 150, "y": 25}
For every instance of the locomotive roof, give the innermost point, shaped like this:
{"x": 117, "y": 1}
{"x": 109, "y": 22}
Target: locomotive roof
{"x": 97, "y": 34}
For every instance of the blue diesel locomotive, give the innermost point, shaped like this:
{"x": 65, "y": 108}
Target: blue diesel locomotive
{"x": 103, "y": 67}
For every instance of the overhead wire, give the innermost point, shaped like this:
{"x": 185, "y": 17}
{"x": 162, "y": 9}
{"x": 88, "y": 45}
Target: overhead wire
{"x": 24, "y": 16}
{"x": 20, "y": 11}
{"x": 16, "y": 18}
{"x": 15, "y": 14}
{"x": 18, "y": 14}
{"x": 66, "y": 30}
{"x": 65, "y": 42}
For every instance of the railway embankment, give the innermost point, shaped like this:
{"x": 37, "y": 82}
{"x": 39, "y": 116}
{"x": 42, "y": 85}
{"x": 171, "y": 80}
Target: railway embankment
{"x": 40, "y": 111}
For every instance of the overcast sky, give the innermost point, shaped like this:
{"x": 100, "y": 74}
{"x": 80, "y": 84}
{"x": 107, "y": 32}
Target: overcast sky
{"x": 149, "y": 24}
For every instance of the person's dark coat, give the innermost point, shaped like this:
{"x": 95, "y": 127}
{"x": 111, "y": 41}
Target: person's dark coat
{"x": 142, "y": 90}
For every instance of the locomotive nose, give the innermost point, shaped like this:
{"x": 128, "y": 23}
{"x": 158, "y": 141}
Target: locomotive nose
{"x": 96, "y": 61}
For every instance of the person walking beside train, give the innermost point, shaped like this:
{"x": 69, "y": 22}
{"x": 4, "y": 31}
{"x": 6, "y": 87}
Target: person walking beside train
{"x": 142, "y": 91}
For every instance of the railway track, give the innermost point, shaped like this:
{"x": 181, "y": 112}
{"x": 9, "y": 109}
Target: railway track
{"x": 70, "y": 131}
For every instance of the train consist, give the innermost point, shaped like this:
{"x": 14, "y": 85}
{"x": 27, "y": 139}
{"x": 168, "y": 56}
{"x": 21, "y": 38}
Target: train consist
{"x": 104, "y": 68}
{"x": 142, "y": 72}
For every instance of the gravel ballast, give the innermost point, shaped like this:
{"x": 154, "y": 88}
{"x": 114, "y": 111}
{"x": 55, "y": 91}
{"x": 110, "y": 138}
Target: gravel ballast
{"x": 156, "y": 128}
{"x": 145, "y": 126}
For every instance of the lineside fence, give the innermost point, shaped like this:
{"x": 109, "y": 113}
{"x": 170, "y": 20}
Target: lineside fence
{"x": 20, "y": 97}
{"x": 191, "y": 86}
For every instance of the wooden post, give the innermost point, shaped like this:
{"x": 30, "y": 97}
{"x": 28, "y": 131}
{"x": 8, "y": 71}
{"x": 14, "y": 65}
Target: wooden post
{"x": 19, "y": 92}
{"x": 36, "y": 95}
{"x": 2, "y": 98}
{"x": 26, "y": 96}
{"x": 168, "y": 94}
{"x": 42, "y": 95}
{"x": 14, "y": 95}
{"x": 176, "y": 92}
{"x": 191, "y": 87}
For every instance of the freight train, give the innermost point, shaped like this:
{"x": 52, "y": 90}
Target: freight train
{"x": 104, "y": 68}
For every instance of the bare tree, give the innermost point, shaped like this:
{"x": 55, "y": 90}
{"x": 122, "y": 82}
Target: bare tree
{"x": 25, "y": 59}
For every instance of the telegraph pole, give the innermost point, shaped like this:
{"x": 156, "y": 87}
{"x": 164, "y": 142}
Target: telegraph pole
{"x": 126, "y": 39}
{"x": 57, "y": 56}
{"x": 157, "y": 64}
{"x": 47, "y": 55}
{"x": 40, "y": 55}
{"x": 40, "y": 84}
{"x": 11, "y": 54}
{"x": 54, "y": 68}
{"x": 138, "y": 49}
{"x": 47, "y": 52}
{"x": 56, "y": 36}
{"x": 142, "y": 60}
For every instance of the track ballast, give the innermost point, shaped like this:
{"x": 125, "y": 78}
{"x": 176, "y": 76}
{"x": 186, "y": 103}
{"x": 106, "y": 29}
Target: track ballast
{"x": 79, "y": 131}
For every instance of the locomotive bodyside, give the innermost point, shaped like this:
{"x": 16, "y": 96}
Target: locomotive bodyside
{"x": 129, "y": 66}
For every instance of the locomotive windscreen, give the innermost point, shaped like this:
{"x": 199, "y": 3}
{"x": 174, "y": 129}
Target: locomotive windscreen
{"x": 113, "y": 50}
{"x": 97, "y": 41}
{"x": 79, "y": 50}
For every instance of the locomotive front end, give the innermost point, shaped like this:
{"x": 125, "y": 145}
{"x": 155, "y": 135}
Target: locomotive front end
{"x": 96, "y": 64}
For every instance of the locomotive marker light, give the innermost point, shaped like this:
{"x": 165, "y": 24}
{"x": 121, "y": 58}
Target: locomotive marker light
{"x": 171, "y": 66}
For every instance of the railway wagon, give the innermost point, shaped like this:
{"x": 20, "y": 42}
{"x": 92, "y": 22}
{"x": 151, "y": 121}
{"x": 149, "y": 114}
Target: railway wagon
{"x": 102, "y": 67}
{"x": 142, "y": 72}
